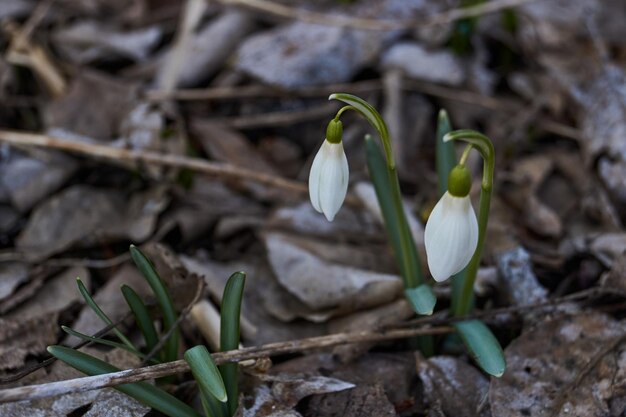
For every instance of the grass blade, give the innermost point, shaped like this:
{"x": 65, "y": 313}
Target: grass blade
{"x": 98, "y": 340}
{"x": 483, "y": 346}
{"x": 96, "y": 308}
{"x": 205, "y": 372}
{"x": 141, "y": 391}
{"x": 230, "y": 334}
{"x": 163, "y": 298}
{"x": 142, "y": 317}
{"x": 445, "y": 155}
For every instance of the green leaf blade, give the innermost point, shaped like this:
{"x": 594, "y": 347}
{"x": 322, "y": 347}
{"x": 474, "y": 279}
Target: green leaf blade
{"x": 163, "y": 298}
{"x": 98, "y": 340}
{"x": 101, "y": 314}
{"x": 483, "y": 346}
{"x": 422, "y": 299}
{"x": 142, "y": 317}
{"x": 230, "y": 333}
{"x": 206, "y": 373}
{"x": 141, "y": 391}
{"x": 377, "y": 168}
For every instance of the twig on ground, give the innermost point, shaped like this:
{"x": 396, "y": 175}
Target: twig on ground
{"x": 441, "y": 317}
{"x": 369, "y": 86}
{"x": 150, "y": 157}
{"x": 282, "y": 118}
{"x": 284, "y": 11}
{"x": 64, "y": 262}
{"x": 157, "y": 371}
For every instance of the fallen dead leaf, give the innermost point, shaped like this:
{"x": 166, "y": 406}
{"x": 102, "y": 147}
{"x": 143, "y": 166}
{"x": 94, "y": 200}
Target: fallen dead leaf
{"x": 453, "y": 386}
{"x": 323, "y": 286}
{"x": 579, "y": 369}
{"x": 82, "y": 215}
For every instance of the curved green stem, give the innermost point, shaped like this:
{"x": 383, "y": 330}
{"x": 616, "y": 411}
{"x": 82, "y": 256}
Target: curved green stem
{"x": 484, "y": 146}
{"x": 411, "y": 270}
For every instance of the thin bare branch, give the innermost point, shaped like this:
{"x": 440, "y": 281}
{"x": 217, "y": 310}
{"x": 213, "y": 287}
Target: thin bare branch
{"x": 150, "y": 157}
{"x": 284, "y": 11}
{"x": 157, "y": 371}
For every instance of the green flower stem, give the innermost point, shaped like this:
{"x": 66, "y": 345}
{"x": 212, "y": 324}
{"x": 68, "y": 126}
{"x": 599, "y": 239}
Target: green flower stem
{"x": 410, "y": 268}
{"x": 483, "y": 145}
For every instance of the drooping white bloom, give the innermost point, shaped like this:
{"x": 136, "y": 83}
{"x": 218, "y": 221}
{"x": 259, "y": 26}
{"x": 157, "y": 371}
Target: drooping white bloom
{"x": 328, "y": 180}
{"x": 451, "y": 236}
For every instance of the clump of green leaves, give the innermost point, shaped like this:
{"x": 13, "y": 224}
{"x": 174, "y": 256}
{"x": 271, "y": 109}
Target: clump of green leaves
{"x": 217, "y": 386}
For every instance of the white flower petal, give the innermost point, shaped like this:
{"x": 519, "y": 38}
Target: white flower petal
{"x": 450, "y": 236}
{"x": 328, "y": 180}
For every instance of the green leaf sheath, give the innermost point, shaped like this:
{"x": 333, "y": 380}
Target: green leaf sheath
{"x": 230, "y": 334}
{"x": 483, "y": 346}
{"x": 96, "y": 308}
{"x": 142, "y": 317}
{"x": 163, "y": 298}
{"x": 141, "y": 391}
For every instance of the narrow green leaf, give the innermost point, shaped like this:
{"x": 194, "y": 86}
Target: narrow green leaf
{"x": 101, "y": 341}
{"x": 446, "y": 158}
{"x": 163, "y": 298}
{"x": 229, "y": 333}
{"x": 377, "y": 168}
{"x": 96, "y": 308}
{"x": 142, "y": 317}
{"x": 422, "y": 299}
{"x": 212, "y": 407}
{"x": 141, "y": 391}
{"x": 483, "y": 346}
{"x": 205, "y": 372}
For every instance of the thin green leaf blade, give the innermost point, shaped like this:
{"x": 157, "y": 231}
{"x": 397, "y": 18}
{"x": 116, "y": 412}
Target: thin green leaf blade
{"x": 98, "y": 340}
{"x": 483, "y": 346}
{"x": 101, "y": 314}
{"x": 142, "y": 317}
{"x": 141, "y": 391}
{"x": 445, "y": 155}
{"x": 205, "y": 372}
{"x": 230, "y": 333}
{"x": 422, "y": 299}
{"x": 163, "y": 298}
{"x": 377, "y": 168}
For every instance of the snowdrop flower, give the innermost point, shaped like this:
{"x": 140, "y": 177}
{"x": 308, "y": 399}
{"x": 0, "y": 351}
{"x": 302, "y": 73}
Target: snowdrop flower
{"x": 328, "y": 180}
{"x": 451, "y": 233}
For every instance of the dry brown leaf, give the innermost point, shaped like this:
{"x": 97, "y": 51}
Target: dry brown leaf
{"x": 79, "y": 113}
{"x": 322, "y": 286}
{"x": 23, "y": 336}
{"x": 285, "y": 392}
{"x": 82, "y": 214}
{"x": 363, "y": 400}
{"x": 453, "y": 386}
{"x": 30, "y": 179}
{"x": 565, "y": 366}
{"x": 89, "y": 40}
{"x": 12, "y": 274}
{"x": 57, "y": 294}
